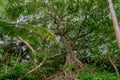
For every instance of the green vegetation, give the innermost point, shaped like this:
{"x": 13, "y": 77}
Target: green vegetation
{"x": 102, "y": 76}
{"x": 59, "y": 40}
{"x": 97, "y": 74}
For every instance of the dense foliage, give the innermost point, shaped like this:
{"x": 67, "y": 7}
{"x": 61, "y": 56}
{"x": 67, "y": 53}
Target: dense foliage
{"x": 54, "y": 29}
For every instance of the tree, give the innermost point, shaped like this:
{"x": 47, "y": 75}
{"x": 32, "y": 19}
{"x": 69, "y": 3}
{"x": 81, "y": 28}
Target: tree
{"x": 116, "y": 28}
{"x": 82, "y": 28}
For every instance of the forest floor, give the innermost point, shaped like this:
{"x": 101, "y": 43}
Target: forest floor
{"x": 95, "y": 73}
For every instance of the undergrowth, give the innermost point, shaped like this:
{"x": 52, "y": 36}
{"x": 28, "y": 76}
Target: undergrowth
{"x": 97, "y": 74}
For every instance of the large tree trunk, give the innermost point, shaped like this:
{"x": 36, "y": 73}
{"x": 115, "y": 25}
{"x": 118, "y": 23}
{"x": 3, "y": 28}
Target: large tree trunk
{"x": 71, "y": 57}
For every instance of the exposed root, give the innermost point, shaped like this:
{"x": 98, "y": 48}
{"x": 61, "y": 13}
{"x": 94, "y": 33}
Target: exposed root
{"x": 71, "y": 58}
{"x": 68, "y": 73}
{"x": 63, "y": 75}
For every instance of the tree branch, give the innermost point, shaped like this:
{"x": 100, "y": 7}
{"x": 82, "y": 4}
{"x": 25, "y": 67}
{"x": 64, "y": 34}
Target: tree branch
{"x": 81, "y": 36}
{"x": 113, "y": 64}
{"x": 27, "y": 44}
{"x": 80, "y": 47}
{"x": 38, "y": 66}
{"x": 34, "y": 69}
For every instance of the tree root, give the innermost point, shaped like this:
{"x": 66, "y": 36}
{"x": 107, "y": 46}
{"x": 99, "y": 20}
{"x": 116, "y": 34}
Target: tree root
{"x": 63, "y": 75}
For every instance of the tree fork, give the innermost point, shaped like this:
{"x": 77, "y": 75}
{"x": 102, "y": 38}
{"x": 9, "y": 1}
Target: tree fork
{"x": 71, "y": 56}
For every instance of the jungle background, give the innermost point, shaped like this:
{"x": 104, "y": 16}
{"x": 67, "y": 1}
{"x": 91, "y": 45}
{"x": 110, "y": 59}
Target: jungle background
{"x": 58, "y": 40}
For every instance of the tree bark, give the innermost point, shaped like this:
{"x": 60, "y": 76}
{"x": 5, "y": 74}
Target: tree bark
{"x": 71, "y": 56}
{"x": 115, "y": 23}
